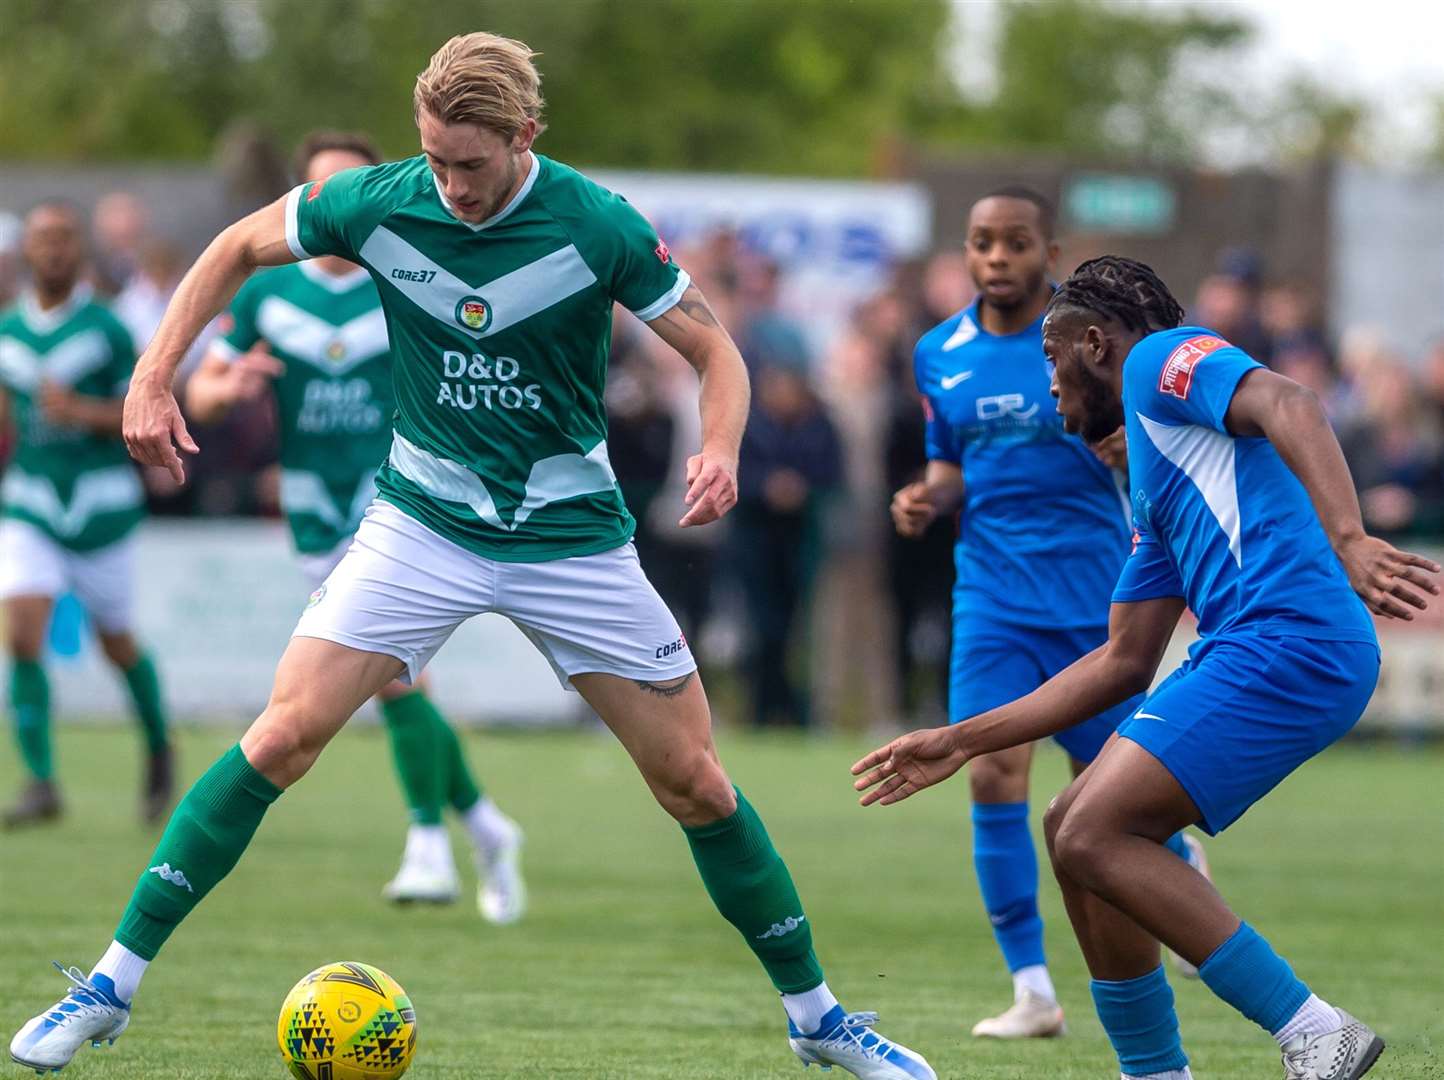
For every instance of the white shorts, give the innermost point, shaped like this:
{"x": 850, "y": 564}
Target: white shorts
{"x": 32, "y": 563}
{"x": 401, "y": 590}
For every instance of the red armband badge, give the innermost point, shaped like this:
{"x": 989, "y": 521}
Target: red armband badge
{"x": 1177, "y": 375}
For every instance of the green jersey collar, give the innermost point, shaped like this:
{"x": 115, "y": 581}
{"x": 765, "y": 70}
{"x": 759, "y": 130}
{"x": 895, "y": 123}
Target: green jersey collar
{"x": 42, "y": 322}
{"x": 515, "y": 201}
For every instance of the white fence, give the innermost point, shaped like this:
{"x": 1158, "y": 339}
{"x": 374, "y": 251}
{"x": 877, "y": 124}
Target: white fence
{"x": 217, "y": 601}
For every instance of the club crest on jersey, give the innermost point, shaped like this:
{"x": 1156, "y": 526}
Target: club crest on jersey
{"x": 1176, "y": 378}
{"x": 473, "y": 312}
{"x": 336, "y": 350}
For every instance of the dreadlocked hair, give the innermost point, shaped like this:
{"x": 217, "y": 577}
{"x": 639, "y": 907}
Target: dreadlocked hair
{"x": 1124, "y": 290}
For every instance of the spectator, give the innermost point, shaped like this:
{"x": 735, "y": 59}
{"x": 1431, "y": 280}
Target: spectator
{"x": 121, "y": 226}
{"x": 1395, "y": 454}
{"x": 1228, "y": 302}
{"x": 790, "y": 464}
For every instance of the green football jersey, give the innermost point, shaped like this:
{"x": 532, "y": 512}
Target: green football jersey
{"x": 334, "y": 402}
{"x": 500, "y": 334}
{"x": 78, "y": 486}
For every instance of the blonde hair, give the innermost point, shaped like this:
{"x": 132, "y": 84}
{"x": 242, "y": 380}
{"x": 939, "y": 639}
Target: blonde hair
{"x": 481, "y": 79}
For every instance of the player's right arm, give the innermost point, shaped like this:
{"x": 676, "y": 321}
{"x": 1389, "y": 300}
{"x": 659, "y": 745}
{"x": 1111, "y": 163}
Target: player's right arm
{"x": 939, "y": 493}
{"x": 153, "y": 427}
{"x": 1138, "y": 634}
{"x": 1388, "y": 580}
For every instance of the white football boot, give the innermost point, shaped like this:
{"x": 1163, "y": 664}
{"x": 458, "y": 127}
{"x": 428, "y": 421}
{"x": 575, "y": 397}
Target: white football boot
{"x": 428, "y": 872}
{"x": 1346, "y": 1054}
{"x": 1030, "y": 1017}
{"x": 501, "y": 892}
{"x": 1198, "y": 859}
{"x": 848, "y": 1041}
{"x": 87, "y": 1014}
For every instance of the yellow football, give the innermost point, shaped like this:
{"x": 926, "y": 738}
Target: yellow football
{"x": 347, "y": 1021}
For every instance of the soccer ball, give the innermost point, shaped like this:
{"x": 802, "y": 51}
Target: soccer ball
{"x": 347, "y": 1021}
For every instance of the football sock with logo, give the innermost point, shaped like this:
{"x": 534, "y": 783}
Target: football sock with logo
{"x": 749, "y": 883}
{"x": 30, "y": 698}
{"x": 462, "y": 790}
{"x": 1254, "y": 979}
{"x": 1007, "y": 868}
{"x": 415, "y": 729}
{"x": 202, "y": 842}
{"x": 1138, "y": 1016}
{"x": 144, "y": 685}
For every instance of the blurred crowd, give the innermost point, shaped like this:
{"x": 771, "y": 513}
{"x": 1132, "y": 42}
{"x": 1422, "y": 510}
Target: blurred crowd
{"x": 805, "y": 592}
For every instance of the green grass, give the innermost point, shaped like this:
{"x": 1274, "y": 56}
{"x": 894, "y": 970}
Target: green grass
{"x": 623, "y": 970}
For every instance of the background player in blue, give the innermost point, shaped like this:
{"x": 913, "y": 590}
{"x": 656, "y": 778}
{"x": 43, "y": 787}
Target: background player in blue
{"x": 1042, "y": 538}
{"x": 1245, "y": 511}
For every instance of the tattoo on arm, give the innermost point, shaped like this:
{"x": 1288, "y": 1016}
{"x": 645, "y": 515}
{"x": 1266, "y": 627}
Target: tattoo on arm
{"x": 695, "y": 307}
{"x": 667, "y": 689}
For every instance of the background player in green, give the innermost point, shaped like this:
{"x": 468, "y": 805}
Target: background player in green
{"x": 498, "y": 270}
{"x": 313, "y": 336}
{"x": 71, "y": 501}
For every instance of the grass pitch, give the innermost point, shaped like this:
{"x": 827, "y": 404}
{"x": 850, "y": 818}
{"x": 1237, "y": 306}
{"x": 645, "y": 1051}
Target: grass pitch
{"x": 622, "y": 970}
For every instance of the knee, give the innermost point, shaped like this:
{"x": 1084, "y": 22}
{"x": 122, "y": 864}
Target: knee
{"x": 277, "y": 745}
{"x": 120, "y": 649}
{"x": 993, "y": 778}
{"x": 1079, "y": 846}
{"x": 1053, "y": 820}
{"x": 698, "y": 792}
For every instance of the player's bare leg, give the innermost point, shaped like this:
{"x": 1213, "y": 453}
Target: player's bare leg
{"x": 666, "y": 727}
{"x": 27, "y": 621}
{"x": 318, "y": 685}
{"x": 1106, "y": 839}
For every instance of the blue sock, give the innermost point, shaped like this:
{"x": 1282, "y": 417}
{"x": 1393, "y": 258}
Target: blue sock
{"x": 1255, "y": 980}
{"x": 1176, "y": 845}
{"x": 1139, "y": 1018}
{"x": 1007, "y": 869}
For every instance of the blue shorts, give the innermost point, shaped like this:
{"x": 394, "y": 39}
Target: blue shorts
{"x": 994, "y": 663}
{"x": 1233, "y": 722}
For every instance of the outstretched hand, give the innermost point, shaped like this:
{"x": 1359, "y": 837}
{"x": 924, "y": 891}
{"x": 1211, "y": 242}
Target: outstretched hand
{"x": 711, "y": 488}
{"x": 153, "y": 428}
{"x": 1388, "y": 580}
{"x": 908, "y": 764}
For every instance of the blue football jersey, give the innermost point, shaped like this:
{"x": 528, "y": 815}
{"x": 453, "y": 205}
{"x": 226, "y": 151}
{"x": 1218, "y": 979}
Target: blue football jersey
{"x": 1219, "y": 520}
{"x": 1044, "y": 528}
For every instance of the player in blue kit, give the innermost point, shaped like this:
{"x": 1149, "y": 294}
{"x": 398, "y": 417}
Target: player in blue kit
{"x": 1244, "y": 511}
{"x": 1042, "y": 538}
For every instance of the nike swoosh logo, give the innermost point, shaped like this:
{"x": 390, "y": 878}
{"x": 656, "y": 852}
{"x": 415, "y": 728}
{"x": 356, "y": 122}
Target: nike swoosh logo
{"x": 1149, "y": 716}
{"x": 950, "y": 381}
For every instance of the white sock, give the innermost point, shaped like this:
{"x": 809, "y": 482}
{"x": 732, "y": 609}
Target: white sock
{"x": 122, "y": 967}
{"x": 429, "y": 845}
{"x": 490, "y": 829}
{"x": 1034, "y": 979}
{"x": 1171, "y": 1074}
{"x": 807, "y": 1010}
{"x": 1315, "y": 1017}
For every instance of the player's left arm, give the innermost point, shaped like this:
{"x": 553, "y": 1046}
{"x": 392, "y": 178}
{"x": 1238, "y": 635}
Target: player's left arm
{"x": 690, "y": 327}
{"x": 1124, "y": 665}
{"x": 1388, "y": 580}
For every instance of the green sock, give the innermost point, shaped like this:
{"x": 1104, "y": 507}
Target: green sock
{"x": 144, "y": 686}
{"x": 418, "y": 754}
{"x": 30, "y": 698}
{"x": 462, "y": 790}
{"x": 749, "y": 883}
{"x": 203, "y": 841}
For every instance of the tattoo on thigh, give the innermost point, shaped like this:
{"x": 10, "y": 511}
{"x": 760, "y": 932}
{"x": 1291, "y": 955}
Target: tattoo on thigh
{"x": 667, "y": 689}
